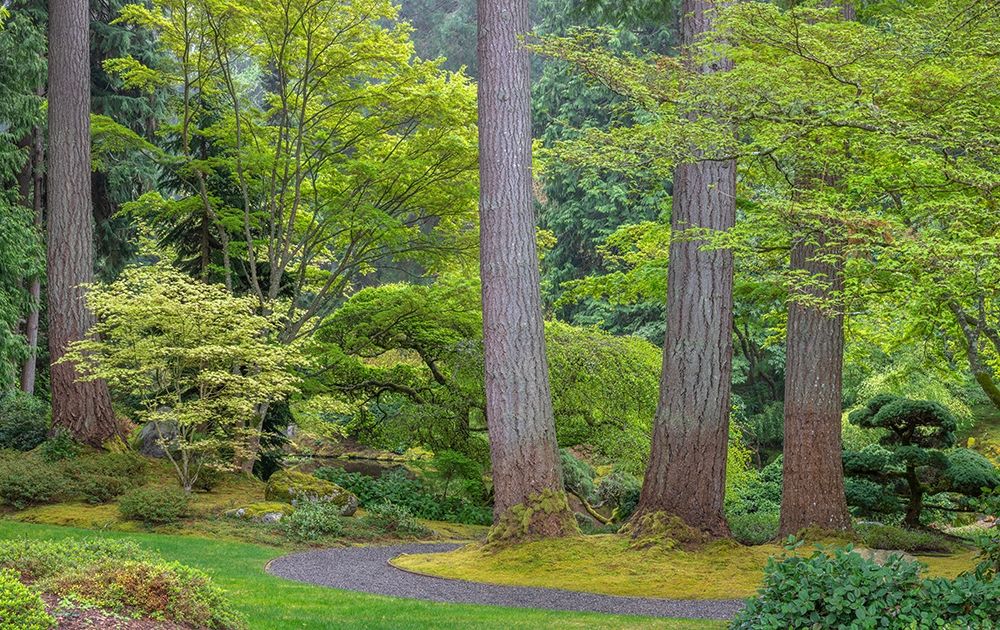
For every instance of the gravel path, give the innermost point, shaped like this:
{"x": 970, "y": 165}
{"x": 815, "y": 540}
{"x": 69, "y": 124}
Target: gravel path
{"x": 367, "y": 569}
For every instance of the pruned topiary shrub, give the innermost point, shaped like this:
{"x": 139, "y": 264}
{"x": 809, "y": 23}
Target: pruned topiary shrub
{"x": 912, "y": 462}
{"x": 755, "y": 528}
{"x": 294, "y": 487}
{"x": 154, "y": 506}
{"x": 879, "y": 536}
{"x": 20, "y": 607}
{"x": 24, "y": 421}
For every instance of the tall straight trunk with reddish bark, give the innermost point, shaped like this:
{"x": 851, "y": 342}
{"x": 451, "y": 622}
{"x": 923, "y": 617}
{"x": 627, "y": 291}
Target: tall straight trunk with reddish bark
{"x": 812, "y": 493}
{"x": 523, "y": 450}
{"x": 686, "y": 476}
{"x": 84, "y": 409}
{"x": 813, "y": 476}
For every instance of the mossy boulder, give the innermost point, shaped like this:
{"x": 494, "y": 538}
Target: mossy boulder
{"x": 290, "y": 486}
{"x": 263, "y": 511}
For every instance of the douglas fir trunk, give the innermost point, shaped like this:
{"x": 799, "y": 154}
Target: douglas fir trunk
{"x": 82, "y": 408}
{"x": 525, "y": 462}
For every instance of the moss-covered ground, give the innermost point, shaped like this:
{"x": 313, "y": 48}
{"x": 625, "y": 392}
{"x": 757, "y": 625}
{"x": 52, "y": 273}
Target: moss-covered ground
{"x": 610, "y": 564}
{"x": 271, "y": 603}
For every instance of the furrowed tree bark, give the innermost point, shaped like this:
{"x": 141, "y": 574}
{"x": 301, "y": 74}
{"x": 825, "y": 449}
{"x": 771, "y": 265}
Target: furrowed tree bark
{"x": 84, "y": 409}
{"x": 686, "y": 476}
{"x": 812, "y": 493}
{"x": 813, "y": 475}
{"x": 523, "y": 450}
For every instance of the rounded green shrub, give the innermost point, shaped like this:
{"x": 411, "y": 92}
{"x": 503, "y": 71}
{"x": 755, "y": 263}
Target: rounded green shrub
{"x": 578, "y": 475}
{"x": 20, "y": 607}
{"x": 313, "y": 519}
{"x": 25, "y": 482}
{"x": 620, "y": 489}
{"x": 59, "y": 447}
{"x": 24, "y": 421}
{"x": 755, "y": 528}
{"x": 969, "y": 472}
{"x": 154, "y": 506}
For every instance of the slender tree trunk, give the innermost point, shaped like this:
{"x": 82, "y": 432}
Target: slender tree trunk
{"x": 686, "y": 476}
{"x": 813, "y": 475}
{"x": 972, "y": 330}
{"x": 523, "y": 450}
{"x": 916, "y": 501}
{"x": 82, "y": 408}
{"x": 36, "y": 164}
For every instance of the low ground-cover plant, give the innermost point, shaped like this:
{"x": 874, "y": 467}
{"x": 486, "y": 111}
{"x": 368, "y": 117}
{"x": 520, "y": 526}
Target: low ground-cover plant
{"x": 395, "y": 487}
{"x": 839, "y": 588}
{"x": 59, "y": 447}
{"x": 24, "y": 421}
{"x": 120, "y": 577}
{"x": 154, "y": 506}
{"x": 30, "y": 479}
{"x": 879, "y": 536}
{"x": 20, "y": 607}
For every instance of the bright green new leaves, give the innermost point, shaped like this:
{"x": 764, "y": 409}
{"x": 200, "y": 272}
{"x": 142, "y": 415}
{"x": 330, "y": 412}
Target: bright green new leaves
{"x": 194, "y": 357}
{"x": 310, "y": 147}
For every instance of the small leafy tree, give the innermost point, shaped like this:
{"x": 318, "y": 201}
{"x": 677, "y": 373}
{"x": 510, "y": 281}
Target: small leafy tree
{"x": 910, "y": 462}
{"x": 194, "y": 357}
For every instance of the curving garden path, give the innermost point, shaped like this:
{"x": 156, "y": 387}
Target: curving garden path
{"x": 367, "y": 570}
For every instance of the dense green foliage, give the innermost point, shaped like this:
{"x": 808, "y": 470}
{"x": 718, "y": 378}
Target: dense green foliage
{"x": 20, "y": 607}
{"x": 313, "y": 519}
{"x": 120, "y": 577}
{"x": 396, "y": 488}
{"x": 154, "y": 506}
{"x": 839, "y": 588}
{"x": 24, "y": 421}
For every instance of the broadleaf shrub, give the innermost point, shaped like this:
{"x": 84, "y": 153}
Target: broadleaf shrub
{"x": 20, "y": 607}
{"x": 396, "y": 488}
{"x": 839, "y": 588}
{"x": 24, "y": 421}
{"x": 154, "y": 506}
{"x": 59, "y": 447}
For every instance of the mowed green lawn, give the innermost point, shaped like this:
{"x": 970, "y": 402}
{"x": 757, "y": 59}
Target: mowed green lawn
{"x": 273, "y": 603}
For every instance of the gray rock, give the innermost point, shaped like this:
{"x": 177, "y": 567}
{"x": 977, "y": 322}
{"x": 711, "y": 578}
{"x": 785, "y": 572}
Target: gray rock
{"x": 149, "y": 438}
{"x": 272, "y": 517}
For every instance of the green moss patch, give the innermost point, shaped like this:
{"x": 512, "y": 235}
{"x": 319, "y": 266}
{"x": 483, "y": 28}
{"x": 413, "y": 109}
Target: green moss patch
{"x": 611, "y": 564}
{"x": 545, "y": 514}
{"x": 290, "y": 486}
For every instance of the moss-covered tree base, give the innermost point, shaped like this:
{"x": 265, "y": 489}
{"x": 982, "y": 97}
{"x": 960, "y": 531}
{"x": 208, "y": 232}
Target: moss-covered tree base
{"x": 663, "y": 530}
{"x": 542, "y": 515}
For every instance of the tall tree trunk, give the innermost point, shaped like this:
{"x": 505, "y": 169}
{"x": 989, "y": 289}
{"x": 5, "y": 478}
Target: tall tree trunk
{"x": 36, "y": 163}
{"x": 812, "y": 493}
{"x": 82, "y": 408}
{"x": 523, "y": 450}
{"x": 686, "y": 476}
{"x": 813, "y": 475}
